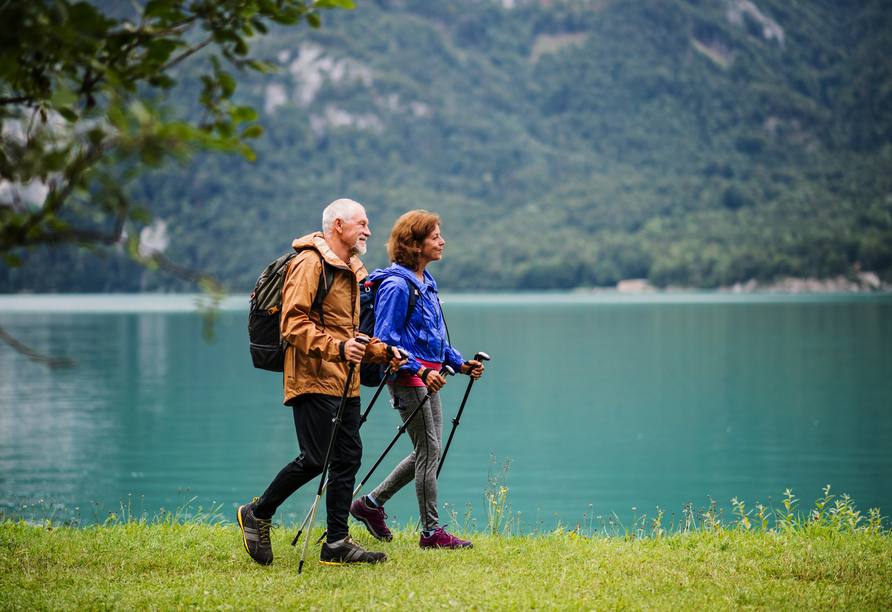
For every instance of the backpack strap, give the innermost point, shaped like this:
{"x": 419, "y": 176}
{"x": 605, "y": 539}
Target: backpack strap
{"x": 414, "y": 294}
{"x": 413, "y": 299}
{"x": 373, "y": 286}
{"x": 443, "y": 316}
{"x": 326, "y": 278}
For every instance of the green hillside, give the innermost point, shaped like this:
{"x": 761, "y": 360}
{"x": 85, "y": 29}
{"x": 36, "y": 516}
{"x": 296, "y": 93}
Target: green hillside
{"x": 564, "y": 144}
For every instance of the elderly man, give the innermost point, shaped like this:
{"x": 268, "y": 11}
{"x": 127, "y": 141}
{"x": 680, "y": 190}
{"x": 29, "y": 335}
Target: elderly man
{"x": 321, "y": 343}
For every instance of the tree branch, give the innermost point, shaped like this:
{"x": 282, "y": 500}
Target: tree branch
{"x": 18, "y": 100}
{"x": 186, "y": 54}
{"x": 187, "y": 274}
{"x": 34, "y": 355}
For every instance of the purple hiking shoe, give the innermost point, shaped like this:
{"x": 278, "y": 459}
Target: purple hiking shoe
{"x": 372, "y": 518}
{"x": 441, "y": 539}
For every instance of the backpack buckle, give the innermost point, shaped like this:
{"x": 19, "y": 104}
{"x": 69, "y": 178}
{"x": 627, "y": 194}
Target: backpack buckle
{"x": 273, "y": 310}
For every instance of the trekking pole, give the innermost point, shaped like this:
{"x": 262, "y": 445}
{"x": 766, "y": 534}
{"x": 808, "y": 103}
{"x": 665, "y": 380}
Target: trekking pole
{"x": 481, "y": 356}
{"x": 362, "y": 419}
{"x": 447, "y": 370}
{"x": 334, "y": 436}
{"x": 400, "y": 430}
{"x": 398, "y": 352}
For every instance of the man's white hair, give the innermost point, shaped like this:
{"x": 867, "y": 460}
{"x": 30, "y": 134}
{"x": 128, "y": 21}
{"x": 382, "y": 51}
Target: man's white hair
{"x": 343, "y": 209}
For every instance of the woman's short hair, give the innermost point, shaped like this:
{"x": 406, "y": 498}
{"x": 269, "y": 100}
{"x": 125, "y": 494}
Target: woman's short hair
{"x": 408, "y": 234}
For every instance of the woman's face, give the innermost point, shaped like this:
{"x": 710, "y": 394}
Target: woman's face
{"x": 432, "y": 247}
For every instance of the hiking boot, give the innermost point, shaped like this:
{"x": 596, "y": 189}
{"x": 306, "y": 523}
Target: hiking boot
{"x": 373, "y": 518}
{"x": 255, "y": 534}
{"x": 348, "y": 550}
{"x": 441, "y": 539}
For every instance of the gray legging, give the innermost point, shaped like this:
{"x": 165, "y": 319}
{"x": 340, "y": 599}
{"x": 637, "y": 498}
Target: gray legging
{"x": 426, "y": 433}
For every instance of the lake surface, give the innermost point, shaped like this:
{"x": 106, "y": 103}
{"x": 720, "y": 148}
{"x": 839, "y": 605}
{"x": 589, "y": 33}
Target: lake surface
{"x": 602, "y": 403}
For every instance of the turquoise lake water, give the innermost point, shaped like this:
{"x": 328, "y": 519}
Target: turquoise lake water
{"x": 602, "y": 404}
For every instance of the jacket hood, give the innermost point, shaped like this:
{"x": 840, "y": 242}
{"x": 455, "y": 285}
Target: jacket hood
{"x": 316, "y": 241}
{"x": 396, "y": 269}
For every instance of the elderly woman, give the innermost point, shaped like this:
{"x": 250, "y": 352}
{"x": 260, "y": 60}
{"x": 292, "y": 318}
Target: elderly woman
{"x": 415, "y": 241}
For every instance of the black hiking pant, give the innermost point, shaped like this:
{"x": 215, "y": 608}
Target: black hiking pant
{"x": 313, "y": 422}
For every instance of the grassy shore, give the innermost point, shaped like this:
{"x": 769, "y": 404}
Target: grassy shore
{"x": 199, "y": 564}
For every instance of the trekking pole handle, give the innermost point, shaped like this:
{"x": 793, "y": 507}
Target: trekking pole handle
{"x": 481, "y": 356}
{"x": 398, "y": 353}
{"x": 362, "y": 339}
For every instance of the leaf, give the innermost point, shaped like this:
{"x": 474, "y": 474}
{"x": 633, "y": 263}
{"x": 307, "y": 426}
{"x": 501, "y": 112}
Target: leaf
{"x": 267, "y": 7}
{"x": 116, "y": 117}
{"x": 13, "y": 261}
{"x": 313, "y": 20}
{"x": 224, "y": 129}
{"x": 158, "y": 51}
{"x": 286, "y": 20}
{"x": 344, "y": 4}
{"x": 62, "y": 97}
{"x": 156, "y": 8}
{"x": 140, "y": 215}
{"x": 263, "y": 67}
{"x": 248, "y": 153}
{"x": 243, "y": 113}
{"x": 162, "y": 81}
{"x": 227, "y": 83}
{"x": 88, "y": 21}
{"x": 254, "y": 131}
{"x": 69, "y": 114}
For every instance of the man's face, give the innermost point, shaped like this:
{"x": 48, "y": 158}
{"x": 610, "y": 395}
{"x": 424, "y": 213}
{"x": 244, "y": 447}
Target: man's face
{"x": 355, "y": 231}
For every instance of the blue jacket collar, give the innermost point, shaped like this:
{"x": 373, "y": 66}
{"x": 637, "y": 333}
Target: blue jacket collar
{"x": 396, "y": 269}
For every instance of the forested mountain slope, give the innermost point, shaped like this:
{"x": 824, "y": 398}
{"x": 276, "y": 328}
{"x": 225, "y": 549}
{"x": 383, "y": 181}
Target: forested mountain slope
{"x": 564, "y": 144}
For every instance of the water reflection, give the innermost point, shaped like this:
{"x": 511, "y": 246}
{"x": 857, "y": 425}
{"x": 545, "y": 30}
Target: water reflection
{"x": 613, "y": 404}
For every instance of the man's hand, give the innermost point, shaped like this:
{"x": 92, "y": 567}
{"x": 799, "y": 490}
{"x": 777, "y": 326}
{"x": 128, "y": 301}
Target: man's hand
{"x": 354, "y": 349}
{"x": 399, "y": 359}
{"x": 472, "y": 368}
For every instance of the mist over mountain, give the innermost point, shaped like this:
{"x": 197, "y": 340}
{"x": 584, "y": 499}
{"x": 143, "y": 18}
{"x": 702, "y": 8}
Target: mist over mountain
{"x": 564, "y": 144}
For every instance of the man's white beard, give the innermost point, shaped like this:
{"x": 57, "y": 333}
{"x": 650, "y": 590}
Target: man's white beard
{"x": 360, "y": 247}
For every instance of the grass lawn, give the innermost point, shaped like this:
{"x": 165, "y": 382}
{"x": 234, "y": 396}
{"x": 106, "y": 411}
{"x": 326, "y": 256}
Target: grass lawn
{"x": 199, "y": 566}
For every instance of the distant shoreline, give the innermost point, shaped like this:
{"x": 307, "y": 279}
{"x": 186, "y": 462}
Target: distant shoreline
{"x": 637, "y": 291}
{"x": 863, "y": 282}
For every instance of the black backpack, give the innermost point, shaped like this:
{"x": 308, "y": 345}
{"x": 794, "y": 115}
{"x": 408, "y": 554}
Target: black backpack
{"x": 264, "y": 319}
{"x": 371, "y": 374}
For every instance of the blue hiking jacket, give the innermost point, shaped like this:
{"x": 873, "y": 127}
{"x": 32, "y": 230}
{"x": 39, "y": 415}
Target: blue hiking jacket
{"x": 424, "y": 334}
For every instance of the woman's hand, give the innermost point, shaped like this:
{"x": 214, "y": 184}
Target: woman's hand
{"x": 472, "y": 368}
{"x": 434, "y": 380}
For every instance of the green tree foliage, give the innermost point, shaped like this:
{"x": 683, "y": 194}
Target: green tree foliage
{"x": 84, "y": 111}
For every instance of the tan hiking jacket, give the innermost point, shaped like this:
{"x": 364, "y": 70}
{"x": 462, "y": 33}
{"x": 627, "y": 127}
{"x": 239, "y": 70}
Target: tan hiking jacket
{"x": 314, "y": 358}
